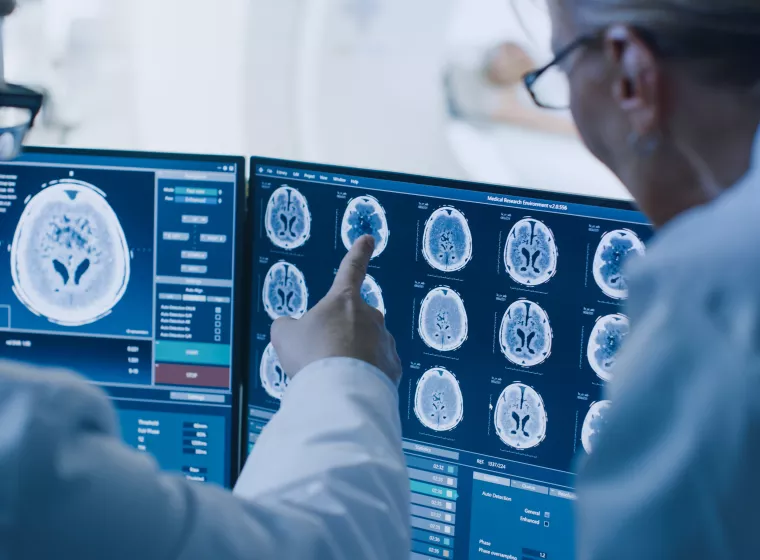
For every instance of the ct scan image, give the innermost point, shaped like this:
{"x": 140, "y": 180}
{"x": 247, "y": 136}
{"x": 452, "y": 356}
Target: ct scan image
{"x": 70, "y": 261}
{"x": 438, "y": 402}
{"x": 365, "y": 216}
{"x": 447, "y": 240}
{"x": 443, "y": 320}
{"x": 530, "y": 254}
{"x": 288, "y": 220}
{"x": 520, "y": 418}
{"x": 611, "y": 256}
{"x": 273, "y": 377}
{"x": 526, "y": 335}
{"x": 285, "y": 293}
{"x": 372, "y": 294}
{"x": 595, "y": 421}
{"x": 604, "y": 344}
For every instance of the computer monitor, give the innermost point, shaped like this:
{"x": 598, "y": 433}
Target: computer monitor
{"x": 122, "y": 267}
{"x": 507, "y": 307}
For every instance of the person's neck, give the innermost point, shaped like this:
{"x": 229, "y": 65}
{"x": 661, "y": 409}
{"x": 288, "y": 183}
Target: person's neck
{"x": 717, "y": 157}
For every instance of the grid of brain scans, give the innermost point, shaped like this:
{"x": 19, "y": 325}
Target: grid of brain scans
{"x": 508, "y": 309}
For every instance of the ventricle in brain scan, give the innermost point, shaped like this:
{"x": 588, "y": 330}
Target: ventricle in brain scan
{"x": 520, "y": 417}
{"x": 443, "y": 320}
{"x": 365, "y": 216}
{"x": 530, "y": 255}
{"x": 526, "y": 335}
{"x": 447, "y": 240}
{"x": 285, "y": 293}
{"x": 70, "y": 261}
{"x": 288, "y": 220}
{"x": 273, "y": 377}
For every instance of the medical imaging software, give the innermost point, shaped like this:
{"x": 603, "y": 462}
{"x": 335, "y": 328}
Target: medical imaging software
{"x": 508, "y": 311}
{"x": 120, "y": 267}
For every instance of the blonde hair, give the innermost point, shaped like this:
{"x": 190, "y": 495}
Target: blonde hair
{"x": 720, "y": 39}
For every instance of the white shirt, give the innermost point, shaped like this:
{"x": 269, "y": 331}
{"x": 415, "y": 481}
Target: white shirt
{"x": 327, "y": 478}
{"x": 674, "y": 474}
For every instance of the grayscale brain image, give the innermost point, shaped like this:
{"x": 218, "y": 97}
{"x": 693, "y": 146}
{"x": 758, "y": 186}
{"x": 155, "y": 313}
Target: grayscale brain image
{"x": 525, "y": 335}
{"x": 520, "y": 417}
{"x": 605, "y": 342}
{"x": 365, "y": 216}
{"x": 530, "y": 254}
{"x": 443, "y": 320}
{"x": 70, "y": 262}
{"x": 372, "y": 294}
{"x": 285, "y": 293}
{"x": 614, "y": 250}
{"x": 447, "y": 240}
{"x": 438, "y": 402}
{"x": 273, "y": 377}
{"x": 594, "y": 424}
{"x": 287, "y": 218}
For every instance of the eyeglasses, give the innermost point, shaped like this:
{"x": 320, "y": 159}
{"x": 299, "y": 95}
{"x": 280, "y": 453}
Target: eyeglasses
{"x": 548, "y": 86}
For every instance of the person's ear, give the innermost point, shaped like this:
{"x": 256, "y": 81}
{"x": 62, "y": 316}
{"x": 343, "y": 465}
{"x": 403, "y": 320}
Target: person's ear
{"x": 638, "y": 80}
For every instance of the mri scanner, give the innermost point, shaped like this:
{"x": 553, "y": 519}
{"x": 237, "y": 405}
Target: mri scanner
{"x": 354, "y": 82}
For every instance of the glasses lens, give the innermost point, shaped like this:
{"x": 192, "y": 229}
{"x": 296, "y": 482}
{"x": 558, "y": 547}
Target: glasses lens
{"x": 552, "y": 89}
{"x": 14, "y": 124}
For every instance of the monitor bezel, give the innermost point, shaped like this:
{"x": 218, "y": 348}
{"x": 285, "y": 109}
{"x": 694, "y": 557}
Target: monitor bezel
{"x": 240, "y": 290}
{"x": 256, "y": 161}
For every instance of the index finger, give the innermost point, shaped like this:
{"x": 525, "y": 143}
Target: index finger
{"x": 353, "y": 269}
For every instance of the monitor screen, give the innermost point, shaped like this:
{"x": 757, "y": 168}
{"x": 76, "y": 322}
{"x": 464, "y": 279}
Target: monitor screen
{"x": 507, "y": 307}
{"x": 121, "y": 267}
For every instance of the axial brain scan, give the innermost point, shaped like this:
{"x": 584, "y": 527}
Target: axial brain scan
{"x": 606, "y": 339}
{"x": 615, "y": 248}
{"x": 443, "y": 320}
{"x": 438, "y": 402}
{"x": 530, "y": 254}
{"x": 526, "y": 335}
{"x": 593, "y": 425}
{"x": 365, "y": 216}
{"x": 70, "y": 261}
{"x": 447, "y": 241}
{"x": 288, "y": 220}
{"x": 285, "y": 293}
{"x": 372, "y": 294}
{"x": 520, "y": 417}
{"x": 273, "y": 377}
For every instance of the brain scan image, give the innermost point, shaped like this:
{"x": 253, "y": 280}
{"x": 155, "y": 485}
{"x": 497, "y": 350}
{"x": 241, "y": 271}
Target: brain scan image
{"x": 438, "y": 402}
{"x": 606, "y": 339}
{"x": 615, "y": 248}
{"x": 530, "y": 254}
{"x": 447, "y": 241}
{"x": 288, "y": 220}
{"x": 595, "y": 421}
{"x": 273, "y": 377}
{"x": 526, "y": 335}
{"x": 520, "y": 417}
{"x": 365, "y": 216}
{"x": 285, "y": 293}
{"x": 372, "y": 294}
{"x": 443, "y": 320}
{"x": 70, "y": 261}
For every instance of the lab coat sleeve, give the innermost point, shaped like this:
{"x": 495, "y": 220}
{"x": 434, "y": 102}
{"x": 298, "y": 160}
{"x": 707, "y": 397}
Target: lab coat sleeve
{"x": 326, "y": 482}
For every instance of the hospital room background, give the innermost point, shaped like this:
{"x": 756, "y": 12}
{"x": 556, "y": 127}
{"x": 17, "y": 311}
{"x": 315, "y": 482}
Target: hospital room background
{"x": 420, "y": 86}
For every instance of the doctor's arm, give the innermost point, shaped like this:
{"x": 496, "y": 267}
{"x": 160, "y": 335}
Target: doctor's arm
{"x": 327, "y": 479}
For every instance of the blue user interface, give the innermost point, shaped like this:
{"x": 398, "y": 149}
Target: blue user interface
{"x": 507, "y": 309}
{"x": 120, "y": 268}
